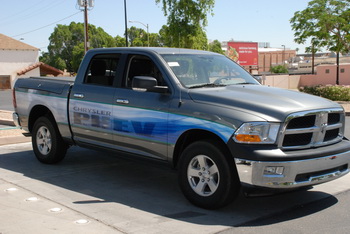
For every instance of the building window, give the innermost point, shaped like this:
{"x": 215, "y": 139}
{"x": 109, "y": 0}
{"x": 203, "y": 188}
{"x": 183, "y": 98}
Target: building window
{"x": 327, "y": 71}
{"x": 342, "y": 70}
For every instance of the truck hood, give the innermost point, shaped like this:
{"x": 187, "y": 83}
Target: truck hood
{"x": 271, "y": 104}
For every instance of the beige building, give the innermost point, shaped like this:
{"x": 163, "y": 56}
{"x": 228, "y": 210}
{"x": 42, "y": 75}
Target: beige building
{"x": 18, "y": 59}
{"x": 269, "y": 57}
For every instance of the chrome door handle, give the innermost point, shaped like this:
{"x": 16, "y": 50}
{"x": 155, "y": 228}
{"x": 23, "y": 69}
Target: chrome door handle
{"x": 122, "y": 101}
{"x": 78, "y": 95}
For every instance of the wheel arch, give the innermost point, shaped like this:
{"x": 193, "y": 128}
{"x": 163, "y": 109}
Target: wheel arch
{"x": 37, "y": 112}
{"x": 194, "y": 135}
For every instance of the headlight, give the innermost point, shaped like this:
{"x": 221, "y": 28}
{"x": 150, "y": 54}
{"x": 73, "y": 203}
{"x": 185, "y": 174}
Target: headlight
{"x": 257, "y": 133}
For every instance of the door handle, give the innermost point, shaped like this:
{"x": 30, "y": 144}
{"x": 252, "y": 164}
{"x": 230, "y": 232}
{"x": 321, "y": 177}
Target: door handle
{"x": 78, "y": 95}
{"x": 122, "y": 101}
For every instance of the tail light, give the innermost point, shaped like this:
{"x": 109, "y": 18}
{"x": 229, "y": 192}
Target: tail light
{"x": 14, "y": 102}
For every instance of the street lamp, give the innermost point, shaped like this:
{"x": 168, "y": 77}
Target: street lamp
{"x": 126, "y": 25}
{"x": 146, "y": 25}
{"x": 283, "y": 53}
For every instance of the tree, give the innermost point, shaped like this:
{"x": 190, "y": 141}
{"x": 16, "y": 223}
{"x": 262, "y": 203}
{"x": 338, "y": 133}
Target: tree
{"x": 279, "y": 69}
{"x": 137, "y": 36}
{"x": 120, "y": 41}
{"x": 327, "y": 24}
{"x": 215, "y": 46}
{"x": 185, "y": 23}
{"x": 155, "y": 40}
{"x": 66, "y": 47}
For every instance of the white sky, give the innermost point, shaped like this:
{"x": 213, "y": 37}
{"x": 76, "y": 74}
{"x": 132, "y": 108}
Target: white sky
{"x": 249, "y": 20}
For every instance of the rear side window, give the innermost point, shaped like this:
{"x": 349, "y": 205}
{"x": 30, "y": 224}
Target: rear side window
{"x": 102, "y": 69}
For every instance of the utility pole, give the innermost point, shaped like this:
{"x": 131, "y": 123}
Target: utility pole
{"x": 86, "y": 5}
{"x": 86, "y": 26}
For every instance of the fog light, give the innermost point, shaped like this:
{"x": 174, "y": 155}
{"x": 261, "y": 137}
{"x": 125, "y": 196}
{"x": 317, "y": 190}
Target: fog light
{"x": 273, "y": 170}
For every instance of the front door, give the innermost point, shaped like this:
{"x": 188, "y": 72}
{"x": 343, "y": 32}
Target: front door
{"x": 140, "y": 117}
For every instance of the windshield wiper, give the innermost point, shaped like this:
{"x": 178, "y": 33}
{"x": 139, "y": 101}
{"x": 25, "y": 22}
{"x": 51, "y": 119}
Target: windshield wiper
{"x": 243, "y": 83}
{"x": 207, "y": 85}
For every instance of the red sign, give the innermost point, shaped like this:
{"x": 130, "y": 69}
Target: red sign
{"x": 244, "y": 53}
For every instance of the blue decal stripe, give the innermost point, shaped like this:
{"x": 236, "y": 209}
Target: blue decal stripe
{"x": 146, "y": 109}
{"x": 41, "y": 94}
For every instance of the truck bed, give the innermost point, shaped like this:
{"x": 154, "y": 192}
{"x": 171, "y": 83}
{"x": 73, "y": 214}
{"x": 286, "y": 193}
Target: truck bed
{"x": 50, "y": 84}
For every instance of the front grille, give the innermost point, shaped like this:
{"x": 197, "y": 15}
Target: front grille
{"x": 333, "y": 118}
{"x": 302, "y": 122}
{"x": 297, "y": 139}
{"x": 312, "y": 129}
{"x": 331, "y": 134}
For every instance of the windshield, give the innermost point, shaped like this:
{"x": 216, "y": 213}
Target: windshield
{"x": 207, "y": 70}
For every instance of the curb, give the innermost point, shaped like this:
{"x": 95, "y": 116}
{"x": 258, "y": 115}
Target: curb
{"x": 7, "y": 122}
{"x": 10, "y": 136}
{"x": 14, "y": 140}
{"x": 6, "y": 118}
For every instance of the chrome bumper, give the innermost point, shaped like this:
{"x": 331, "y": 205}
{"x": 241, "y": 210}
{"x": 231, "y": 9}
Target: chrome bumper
{"x": 15, "y": 118}
{"x": 293, "y": 174}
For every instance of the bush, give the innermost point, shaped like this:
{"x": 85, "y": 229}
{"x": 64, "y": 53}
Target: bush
{"x": 334, "y": 93}
{"x": 279, "y": 69}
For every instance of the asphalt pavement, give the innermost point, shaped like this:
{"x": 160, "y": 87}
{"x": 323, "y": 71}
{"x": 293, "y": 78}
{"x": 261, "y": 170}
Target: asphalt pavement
{"x": 97, "y": 192}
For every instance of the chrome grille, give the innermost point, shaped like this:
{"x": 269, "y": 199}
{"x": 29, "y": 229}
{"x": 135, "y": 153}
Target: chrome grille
{"x": 312, "y": 129}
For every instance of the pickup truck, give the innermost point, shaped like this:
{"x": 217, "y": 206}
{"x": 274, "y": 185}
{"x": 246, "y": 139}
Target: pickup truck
{"x": 198, "y": 111}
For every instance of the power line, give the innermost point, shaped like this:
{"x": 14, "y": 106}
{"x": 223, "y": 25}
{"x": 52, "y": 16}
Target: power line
{"x": 46, "y": 25}
{"x": 16, "y": 14}
{"x": 38, "y": 10}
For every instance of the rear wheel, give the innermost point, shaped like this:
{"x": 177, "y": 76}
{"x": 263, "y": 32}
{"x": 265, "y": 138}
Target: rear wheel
{"x": 47, "y": 142}
{"x": 207, "y": 178}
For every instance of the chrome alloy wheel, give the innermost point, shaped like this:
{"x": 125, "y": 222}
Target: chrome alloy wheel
{"x": 43, "y": 140}
{"x": 203, "y": 175}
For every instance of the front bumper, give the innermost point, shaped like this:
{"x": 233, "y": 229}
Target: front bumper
{"x": 293, "y": 173}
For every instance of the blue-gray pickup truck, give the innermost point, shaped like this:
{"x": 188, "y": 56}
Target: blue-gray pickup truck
{"x": 196, "y": 110}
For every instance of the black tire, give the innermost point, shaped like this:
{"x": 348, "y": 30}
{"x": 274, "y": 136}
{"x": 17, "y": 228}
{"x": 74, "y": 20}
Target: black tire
{"x": 48, "y": 145}
{"x": 206, "y": 177}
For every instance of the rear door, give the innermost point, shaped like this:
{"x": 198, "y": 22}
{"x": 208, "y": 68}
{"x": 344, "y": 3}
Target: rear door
{"x": 91, "y": 103}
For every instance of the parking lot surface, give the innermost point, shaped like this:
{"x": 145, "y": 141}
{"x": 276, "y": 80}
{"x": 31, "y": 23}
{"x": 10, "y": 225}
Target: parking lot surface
{"x": 97, "y": 192}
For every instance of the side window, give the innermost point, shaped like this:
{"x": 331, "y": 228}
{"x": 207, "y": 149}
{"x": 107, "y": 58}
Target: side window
{"x": 140, "y": 65}
{"x": 102, "y": 69}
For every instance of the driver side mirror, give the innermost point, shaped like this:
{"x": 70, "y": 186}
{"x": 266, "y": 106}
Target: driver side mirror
{"x": 258, "y": 78}
{"x": 147, "y": 83}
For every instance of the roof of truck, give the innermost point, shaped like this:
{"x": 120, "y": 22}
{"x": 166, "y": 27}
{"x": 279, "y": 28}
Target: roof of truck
{"x": 159, "y": 50}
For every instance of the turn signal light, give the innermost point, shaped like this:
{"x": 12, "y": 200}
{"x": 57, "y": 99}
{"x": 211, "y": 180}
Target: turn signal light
{"x": 248, "y": 138}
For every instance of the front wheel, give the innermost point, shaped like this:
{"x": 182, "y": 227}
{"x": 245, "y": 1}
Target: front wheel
{"x": 47, "y": 142}
{"x": 207, "y": 178}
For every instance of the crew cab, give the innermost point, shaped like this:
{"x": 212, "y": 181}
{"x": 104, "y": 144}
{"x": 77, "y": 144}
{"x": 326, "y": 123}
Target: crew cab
{"x": 198, "y": 111}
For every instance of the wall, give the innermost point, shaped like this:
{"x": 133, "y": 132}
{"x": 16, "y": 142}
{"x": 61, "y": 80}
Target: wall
{"x": 282, "y": 81}
{"x": 19, "y": 56}
{"x": 326, "y": 75}
{"x": 12, "y": 61}
{"x": 273, "y": 58}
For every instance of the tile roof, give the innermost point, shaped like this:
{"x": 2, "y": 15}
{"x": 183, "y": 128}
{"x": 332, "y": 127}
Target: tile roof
{"x": 8, "y": 43}
{"x": 44, "y": 69}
